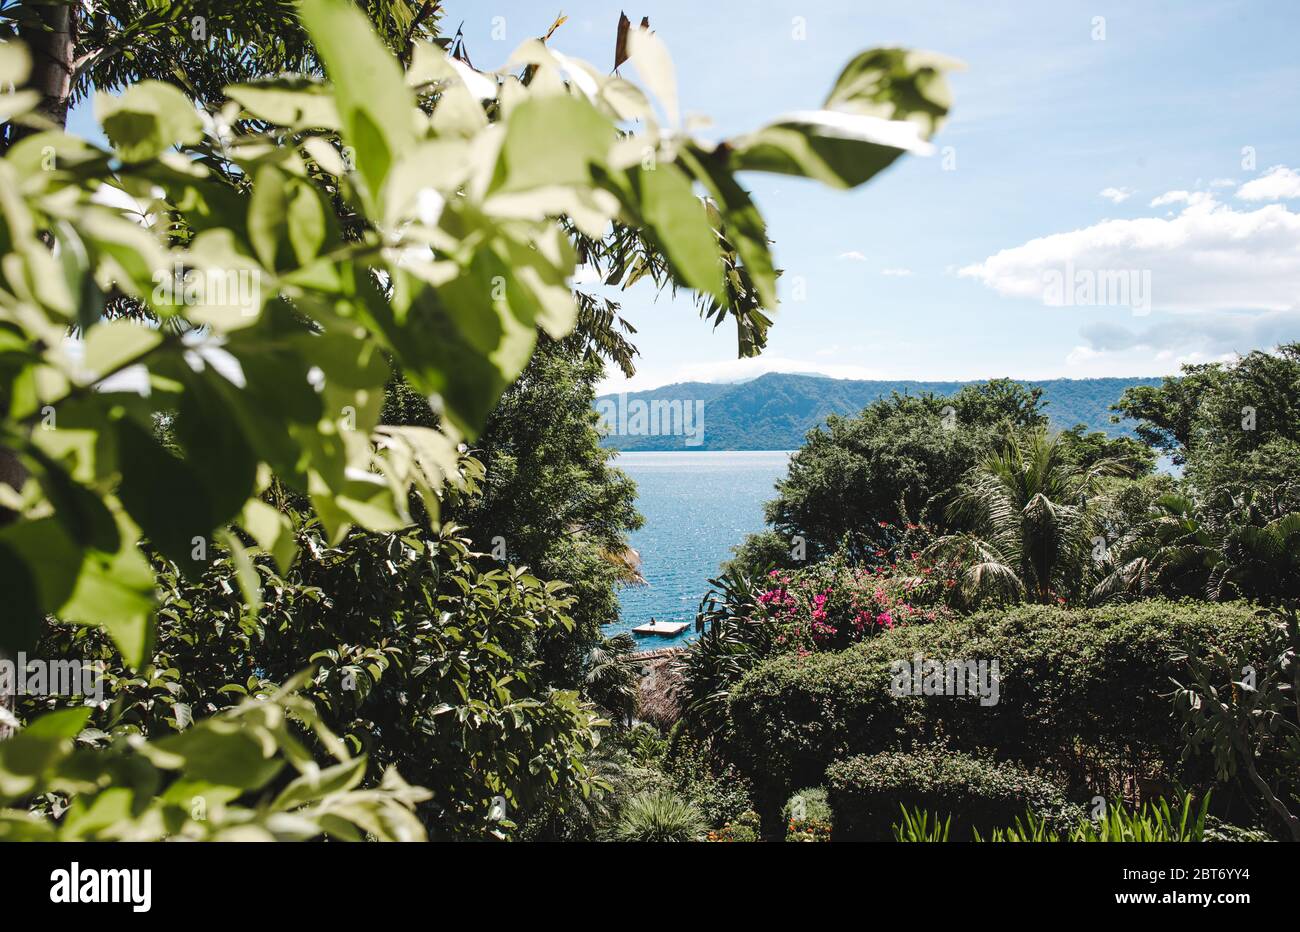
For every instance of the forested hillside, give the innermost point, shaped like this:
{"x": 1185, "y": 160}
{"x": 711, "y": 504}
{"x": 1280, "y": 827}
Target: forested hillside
{"x": 776, "y": 410}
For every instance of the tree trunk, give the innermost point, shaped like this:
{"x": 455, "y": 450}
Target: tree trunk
{"x": 53, "y": 49}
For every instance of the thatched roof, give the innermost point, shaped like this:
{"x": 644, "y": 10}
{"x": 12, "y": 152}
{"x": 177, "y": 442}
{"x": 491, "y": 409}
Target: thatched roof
{"x": 657, "y": 695}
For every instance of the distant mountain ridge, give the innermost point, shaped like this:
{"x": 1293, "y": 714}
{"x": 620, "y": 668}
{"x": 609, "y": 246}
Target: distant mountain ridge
{"x": 776, "y": 410}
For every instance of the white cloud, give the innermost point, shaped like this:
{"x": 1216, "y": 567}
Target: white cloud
{"x": 733, "y": 370}
{"x": 1278, "y": 183}
{"x": 586, "y": 275}
{"x": 896, "y": 273}
{"x": 1117, "y": 195}
{"x": 1223, "y": 183}
{"x": 852, "y": 254}
{"x": 1208, "y": 257}
{"x": 1181, "y": 197}
{"x": 1211, "y": 333}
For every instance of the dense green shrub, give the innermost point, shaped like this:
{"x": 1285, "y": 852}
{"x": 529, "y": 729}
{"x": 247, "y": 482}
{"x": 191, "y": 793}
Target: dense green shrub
{"x": 865, "y": 793}
{"x": 1084, "y": 691}
{"x": 810, "y": 803}
{"x": 745, "y": 827}
{"x": 714, "y": 787}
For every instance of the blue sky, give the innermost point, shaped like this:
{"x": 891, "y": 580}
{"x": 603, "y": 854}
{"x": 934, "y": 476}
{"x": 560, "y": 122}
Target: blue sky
{"x": 934, "y": 273}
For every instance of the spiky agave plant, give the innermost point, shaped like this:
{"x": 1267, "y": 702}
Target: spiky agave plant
{"x": 659, "y": 815}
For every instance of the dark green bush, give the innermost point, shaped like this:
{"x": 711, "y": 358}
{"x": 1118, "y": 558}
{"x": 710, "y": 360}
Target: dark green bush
{"x": 717, "y": 789}
{"x": 1083, "y": 692}
{"x": 865, "y": 793}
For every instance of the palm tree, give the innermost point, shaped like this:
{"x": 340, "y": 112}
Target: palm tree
{"x": 1230, "y": 548}
{"x": 1170, "y": 553}
{"x": 611, "y": 675}
{"x": 1031, "y": 514}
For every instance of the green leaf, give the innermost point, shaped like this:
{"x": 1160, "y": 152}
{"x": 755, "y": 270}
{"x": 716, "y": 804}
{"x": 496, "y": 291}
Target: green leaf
{"x": 577, "y": 136}
{"x": 681, "y": 226}
{"x": 81, "y": 512}
{"x": 165, "y": 496}
{"x": 839, "y": 149}
{"x": 64, "y": 723}
{"x": 272, "y": 530}
{"x": 20, "y": 624}
{"x": 147, "y": 119}
{"x": 537, "y": 280}
{"x": 216, "y": 752}
{"x": 15, "y": 63}
{"x": 896, "y": 84}
{"x": 215, "y": 446}
{"x": 110, "y": 345}
{"x": 376, "y": 110}
{"x": 297, "y": 103}
{"x": 742, "y": 223}
{"x": 655, "y": 67}
{"x": 115, "y": 591}
{"x": 309, "y": 787}
{"x": 266, "y": 210}
{"x": 250, "y": 581}
{"x": 39, "y": 563}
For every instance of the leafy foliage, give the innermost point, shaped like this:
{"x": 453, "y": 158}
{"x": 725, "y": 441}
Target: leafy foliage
{"x": 1245, "y": 708}
{"x": 303, "y": 252}
{"x": 1227, "y": 548}
{"x": 866, "y": 792}
{"x": 897, "y": 459}
{"x": 399, "y": 288}
{"x": 1221, "y": 419}
{"x": 1152, "y": 821}
{"x": 551, "y": 500}
{"x": 1083, "y": 693}
{"x": 242, "y": 775}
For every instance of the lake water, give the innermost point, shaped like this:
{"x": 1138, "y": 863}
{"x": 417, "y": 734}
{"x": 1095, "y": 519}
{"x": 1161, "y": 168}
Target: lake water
{"x": 697, "y": 506}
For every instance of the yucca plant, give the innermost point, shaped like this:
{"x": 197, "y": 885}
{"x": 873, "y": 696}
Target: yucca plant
{"x": 920, "y": 825}
{"x": 659, "y": 815}
{"x": 1152, "y": 822}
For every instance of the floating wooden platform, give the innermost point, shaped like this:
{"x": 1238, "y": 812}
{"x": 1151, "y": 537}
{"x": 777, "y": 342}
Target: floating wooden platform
{"x": 663, "y": 629}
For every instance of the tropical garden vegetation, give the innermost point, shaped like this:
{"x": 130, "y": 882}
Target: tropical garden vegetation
{"x": 297, "y": 448}
{"x": 297, "y": 444}
{"x": 1144, "y": 623}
